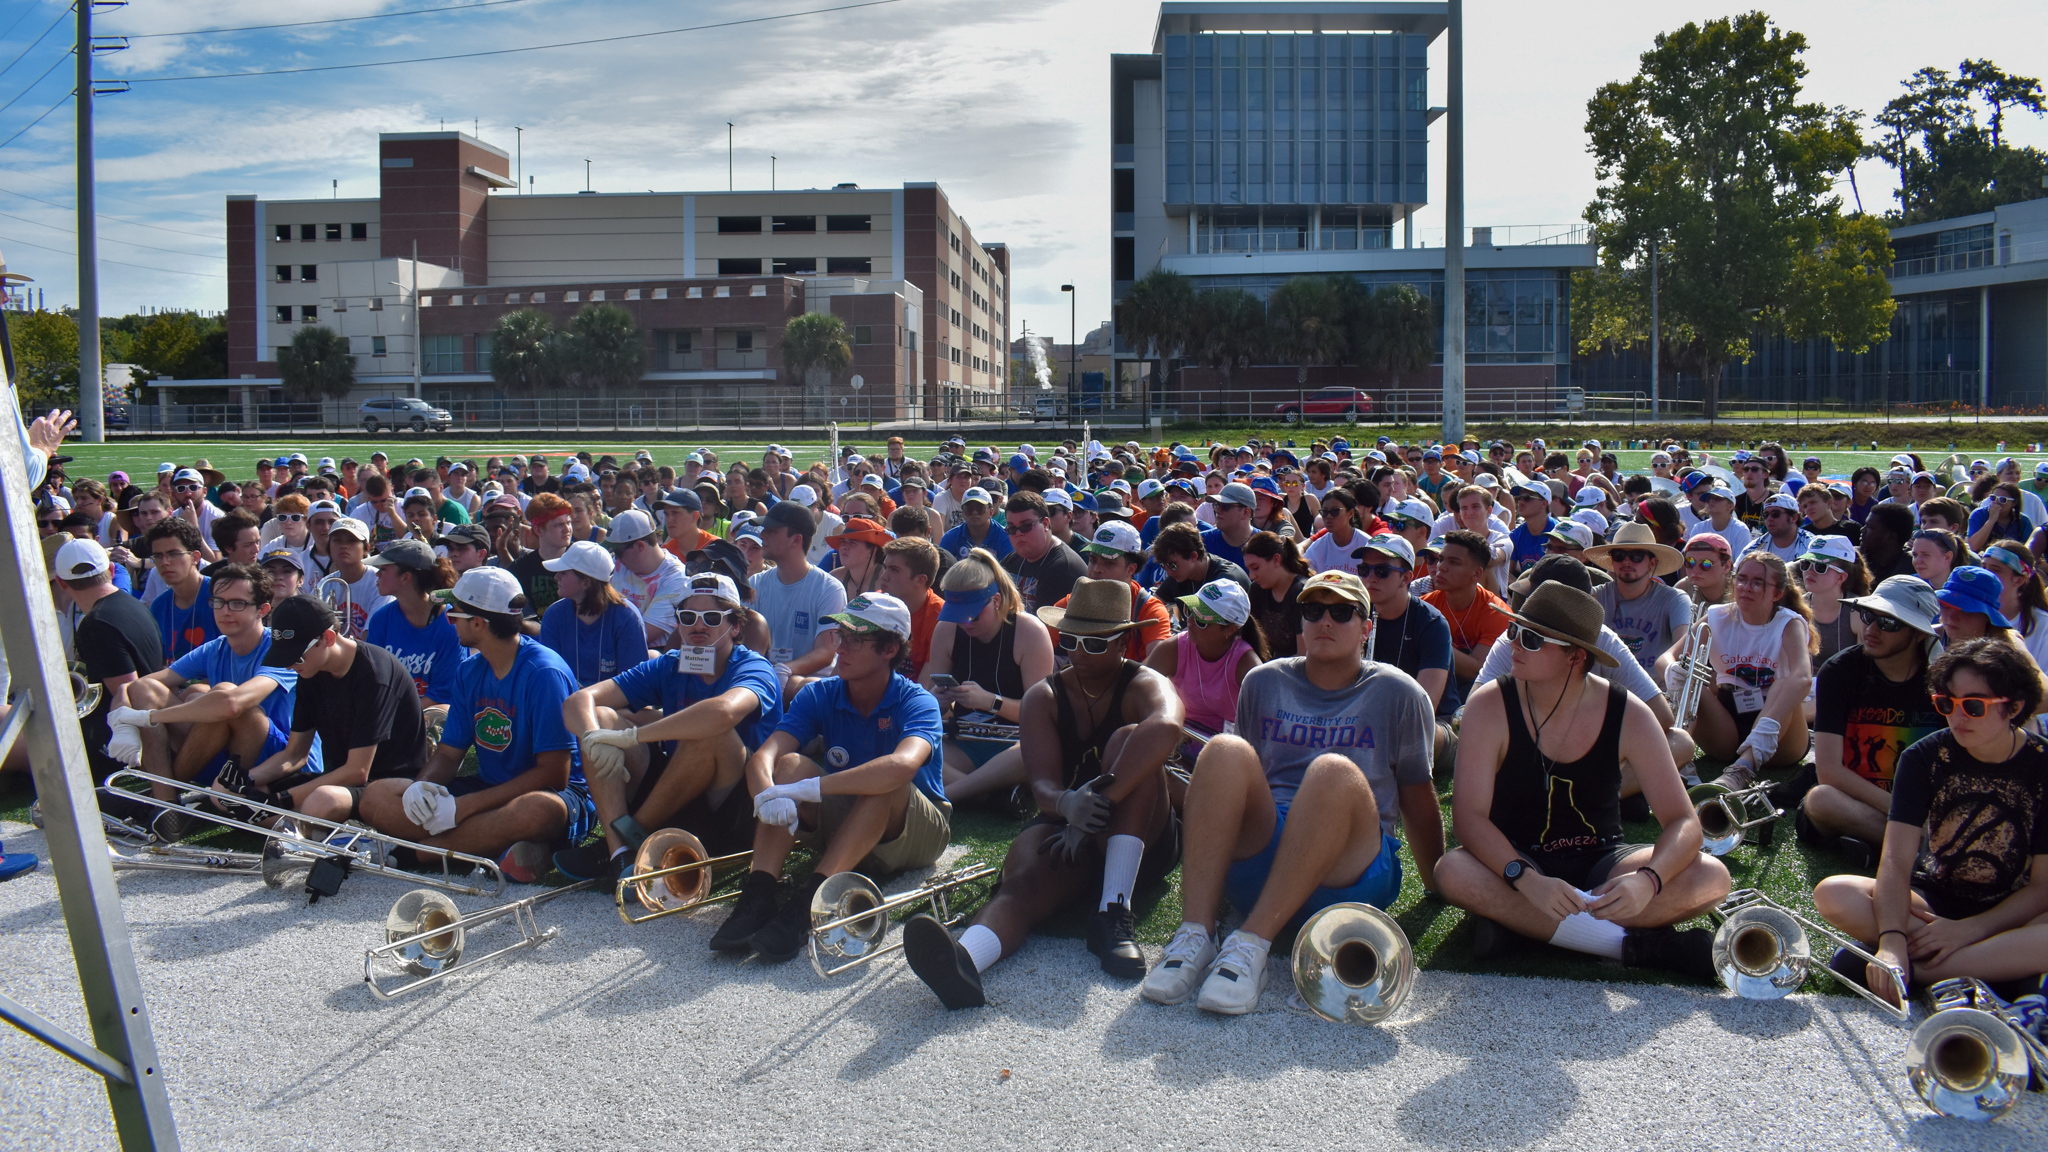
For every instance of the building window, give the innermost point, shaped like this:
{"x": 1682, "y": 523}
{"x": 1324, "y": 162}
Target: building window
{"x": 572, "y": 297}
{"x": 309, "y": 313}
{"x": 309, "y": 231}
{"x": 693, "y": 293}
{"x": 455, "y": 301}
{"x": 955, "y": 354}
{"x": 283, "y": 233}
{"x": 953, "y": 238}
{"x": 441, "y": 354}
{"x": 661, "y": 293}
{"x": 632, "y": 293}
{"x": 334, "y": 231}
{"x": 793, "y": 265}
{"x": 376, "y": 345}
{"x": 743, "y": 341}
{"x": 750, "y": 267}
{"x": 511, "y": 297}
{"x": 1123, "y": 258}
{"x": 849, "y": 223}
{"x": 359, "y": 231}
{"x": 739, "y": 225}
{"x": 597, "y": 295}
{"x": 376, "y": 303}
{"x": 758, "y": 290}
{"x": 863, "y": 334}
{"x": 956, "y": 317}
{"x": 309, "y": 272}
{"x": 540, "y": 297}
{"x": 683, "y": 342}
{"x": 284, "y": 313}
{"x": 284, "y": 273}
{"x": 722, "y": 292}
{"x": 483, "y": 353}
{"x": 849, "y": 265}
{"x": 954, "y": 277}
{"x": 794, "y": 223}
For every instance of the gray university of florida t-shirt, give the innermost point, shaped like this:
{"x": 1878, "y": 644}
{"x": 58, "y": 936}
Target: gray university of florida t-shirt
{"x": 1380, "y": 722}
{"x": 1649, "y": 622}
{"x": 796, "y": 612}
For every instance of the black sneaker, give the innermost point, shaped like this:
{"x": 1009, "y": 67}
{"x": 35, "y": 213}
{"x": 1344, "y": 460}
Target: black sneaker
{"x": 174, "y": 824}
{"x": 1635, "y": 809}
{"x": 1854, "y": 970}
{"x": 1810, "y": 835}
{"x": 1489, "y": 937}
{"x": 786, "y": 933}
{"x": 1863, "y": 852}
{"x": 1020, "y": 803}
{"x": 592, "y": 861}
{"x": 756, "y": 906}
{"x": 1112, "y": 935}
{"x": 942, "y": 963}
{"x": 1690, "y": 952}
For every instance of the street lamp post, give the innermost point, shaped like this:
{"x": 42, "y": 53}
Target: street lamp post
{"x": 1073, "y": 346}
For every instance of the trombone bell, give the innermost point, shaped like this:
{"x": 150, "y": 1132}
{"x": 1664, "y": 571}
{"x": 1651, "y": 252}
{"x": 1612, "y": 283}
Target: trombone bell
{"x": 671, "y": 848}
{"x": 1353, "y": 964}
{"x": 843, "y": 896}
{"x": 1762, "y": 953}
{"x": 1967, "y": 1063}
{"x": 1726, "y": 817}
{"x": 425, "y": 910}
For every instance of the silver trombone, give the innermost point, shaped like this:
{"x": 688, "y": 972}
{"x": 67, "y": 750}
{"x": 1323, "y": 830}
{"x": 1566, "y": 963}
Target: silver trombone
{"x": 1726, "y": 816}
{"x": 1698, "y": 673}
{"x": 424, "y": 936}
{"x": 352, "y": 847}
{"x": 672, "y": 872}
{"x": 334, "y": 589}
{"x": 1973, "y": 1057}
{"x": 1353, "y": 964}
{"x": 1763, "y": 951}
{"x": 849, "y": 915}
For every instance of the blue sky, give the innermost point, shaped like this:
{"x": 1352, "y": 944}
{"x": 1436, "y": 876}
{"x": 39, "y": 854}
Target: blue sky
{"x": 1004, "y": 102}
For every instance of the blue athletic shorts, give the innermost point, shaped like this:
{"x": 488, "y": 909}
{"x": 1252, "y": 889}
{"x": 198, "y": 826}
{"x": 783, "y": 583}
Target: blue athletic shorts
{"x": 1378, "y": 886}
{"x": 582, "y": 809}
{"x": 272, "y": 745}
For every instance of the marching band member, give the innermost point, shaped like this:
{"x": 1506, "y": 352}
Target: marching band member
{"x": 1299, "y": 809}
{"x": 1095, "y": 740}
{"x": 878, "y": 802}
{"x": 716, "y": 700}
{"x": 796, "y": 597}
{"x": 1761, "y": 651}
{"x": 1537, "y": 805}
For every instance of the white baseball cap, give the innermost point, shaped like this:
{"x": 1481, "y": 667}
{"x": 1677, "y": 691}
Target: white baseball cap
{"x": 1222, "y": 601}
{"x": 1573, "y": 530}
{"x": 78, "y": 559}
{"x": 1058, "y": 498}
{"x": 1830, "y": 547}
{"x": 714, "y": 584}
{"x": 1149, "y": 488}
{"x": 803, "y": 494}
{"x": 1388, "y": 544}
{"x": 350, "y": 526}
{"x": 1783, "y": 500}
{"x": 583, "y": 558}
{"x": 873, "y": 612}
{"x": 1590, "y": 496}
{"x": 1592, "y": 519}
{"x": 628, "y": 526}
{"x": 1115, "y": 538}
{"x": 976, "y": 496}
{"x": 493, "y": 590}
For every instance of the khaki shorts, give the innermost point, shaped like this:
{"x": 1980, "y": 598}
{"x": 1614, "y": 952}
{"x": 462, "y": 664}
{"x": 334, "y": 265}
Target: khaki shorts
{"x": 927, "y": 829}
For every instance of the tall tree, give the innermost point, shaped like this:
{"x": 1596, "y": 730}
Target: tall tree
{"x": 816, "y": 340}
{"x": 317, "y": 365}
{"x": 45, "y": 360}
{"x": 1157, "y": 316}
{"x": 1229, "y": 330}
{"x": 1396, "y": 333}
{"x": 1948, "y": 161}
{"x": 1310, "y": 324}
{"x": 163, "y": 346}
{"x": 601, "y": 348}
{"x": 1710, "y": 148}
{"x": 523, "y": 360}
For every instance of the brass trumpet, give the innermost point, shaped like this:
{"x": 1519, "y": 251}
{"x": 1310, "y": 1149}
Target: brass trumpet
{"x": 1971, "y": 1059}
{"x": 1353, "y": 964}
{"x": 672, "y": 872}
{"x": 1698, "y": 672}
{"x": 1763, "y": 951}
{"x": 1727, "y": 816}
{"x": 849, "y": 915}
{"x": 425, "y": 933}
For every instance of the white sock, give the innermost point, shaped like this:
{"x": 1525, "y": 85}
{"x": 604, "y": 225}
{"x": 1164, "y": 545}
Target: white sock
{"x": 1120, "y": 860}
{"x": 618, "y": 852}
{"x": 985, "y": 947}
{"x": 1583, "y": 932}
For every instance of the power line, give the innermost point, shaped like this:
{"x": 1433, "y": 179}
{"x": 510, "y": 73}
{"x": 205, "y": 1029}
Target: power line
{"x": 110, "y": 216}
{"x": 114, "y": 240}
{"x": 38, "y": 120}
{"x": 122, "y": 263}
{"x": 510, "y": 51}
{"x": 32, "y": 44}
{"x": 122, "y": 199}
{"x": 25, "y": 10}
{"x": 38, "y": 80}
{"x": 309, "y": 23}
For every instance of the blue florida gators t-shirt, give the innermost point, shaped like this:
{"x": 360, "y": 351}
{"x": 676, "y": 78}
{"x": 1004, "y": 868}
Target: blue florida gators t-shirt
{"x": 513, "y": 720}
{"x": 821, "y": 709}
{"x": 657, "y": 683}
{"x": 431, "y": 654}
{"x": 216, "y": 663}
{"x": 1381, "y": 722}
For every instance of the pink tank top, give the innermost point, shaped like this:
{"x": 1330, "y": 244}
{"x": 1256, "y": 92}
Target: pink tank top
{"x": 1208, "y": 689}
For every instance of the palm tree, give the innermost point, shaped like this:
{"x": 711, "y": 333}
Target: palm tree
{"x": 817, "y": 340}
{"x": 523, "y": 359}
{"x": 318, "y": 365}
{"x": 1397, "y": 332}
{"x": 602, "y": 348}
{"x": 1309, "y": 321}
{"x": 1157, "y": 315}
{"x": 1229, "y": 330}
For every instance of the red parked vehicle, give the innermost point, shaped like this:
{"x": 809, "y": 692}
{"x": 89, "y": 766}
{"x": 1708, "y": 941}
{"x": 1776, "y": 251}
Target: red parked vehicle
{"x": 1325, "y": 403}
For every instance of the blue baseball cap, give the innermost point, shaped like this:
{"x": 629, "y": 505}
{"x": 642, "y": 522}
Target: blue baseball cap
{"x": 963, "y": 607}
{"x": 1432, "y": 454}
{"x": 1020, "y": 463}
{"x": 1266, "y": 484}
{"x": 1974, "y": 589}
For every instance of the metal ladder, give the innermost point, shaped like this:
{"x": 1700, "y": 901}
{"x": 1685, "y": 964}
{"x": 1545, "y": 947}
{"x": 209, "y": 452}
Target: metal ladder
{"x": 122, "y": 1049}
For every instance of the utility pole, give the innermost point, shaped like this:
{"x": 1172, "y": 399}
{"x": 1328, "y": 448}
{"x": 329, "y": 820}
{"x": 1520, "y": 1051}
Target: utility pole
{"x": 1073, "y": 346}
{"x": 416, "y": 351}
{"x": 91, "y": 398}
{"x": 728, "y": 155}
{"x": 519, "y": 158}
{"x": 771, "y": 172}
{"x": 1454, "y": 233}
{"x": 1656, "y": 334}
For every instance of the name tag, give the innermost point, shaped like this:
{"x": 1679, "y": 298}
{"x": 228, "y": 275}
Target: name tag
{"x": 1749, "y": 700}
{"x": 699, "y": 660}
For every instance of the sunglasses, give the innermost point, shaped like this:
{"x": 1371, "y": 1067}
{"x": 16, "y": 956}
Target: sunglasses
{"x": 1701, "y": 565}
{"x": 1632, "y": 556}
{"x": 1880, "y": 621}
{"x": 1973, "y": 706}
{"x": 1341, "y": 613}
{"x": 1381, "y": 570}
{"x": 185, "y": 487}
{"x": 1813, "y": 567}
{"x": 1531, "y": 640}
{"x": 291, "y": 517}
{"x": 712, "y": 618}
{"x": 1092, "y": 645}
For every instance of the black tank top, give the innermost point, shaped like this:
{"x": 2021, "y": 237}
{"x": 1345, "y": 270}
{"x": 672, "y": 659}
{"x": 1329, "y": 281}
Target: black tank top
{"x": 1541, "y": 805}
{"x": 993, "y": 664}
{"x": 1082, "y": 752}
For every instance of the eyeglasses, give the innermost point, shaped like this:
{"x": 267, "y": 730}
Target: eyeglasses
{"x": 1880, "y": 621}
{"x": 1341, "y": 613}
{"x": 1531, "y": 640}
{"x": 1381, "y": 570}
{"x": 1973, "y": 706}
{"x": 1093, "y": 645}
{"x": 166, "y": 554}
{"x": 232, "y": 605}
{"x": 1632, "y": 556}
{"x": 1814, "y": 567}
{"x": 1758, "y": 582}
{"x": 1701, "y": 565}
{"x": 712, "y": 618}
{"x": 1024, "y": 527}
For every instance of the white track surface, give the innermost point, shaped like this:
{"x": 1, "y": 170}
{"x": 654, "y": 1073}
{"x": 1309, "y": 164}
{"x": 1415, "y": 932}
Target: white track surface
{"x": 616, "y": 1036}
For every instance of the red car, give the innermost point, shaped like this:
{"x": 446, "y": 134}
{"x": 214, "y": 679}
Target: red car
{"x": 1344, "y": 403}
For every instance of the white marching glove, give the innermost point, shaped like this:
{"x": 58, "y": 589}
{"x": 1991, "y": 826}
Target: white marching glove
{"x": 134, "y": 717}
{"x": 125, "y": 744}
{"x": 809, "y": 790}
{"x": 779, "y": 811}
{"x": 430, "y": 806}
{"x": 604, "y": 758}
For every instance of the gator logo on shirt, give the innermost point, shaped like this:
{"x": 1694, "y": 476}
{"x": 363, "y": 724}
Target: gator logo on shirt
{"x": 494, "y": 729}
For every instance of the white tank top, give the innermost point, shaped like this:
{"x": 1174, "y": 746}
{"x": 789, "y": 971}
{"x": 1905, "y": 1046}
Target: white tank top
{"x": 1746, "y": 655}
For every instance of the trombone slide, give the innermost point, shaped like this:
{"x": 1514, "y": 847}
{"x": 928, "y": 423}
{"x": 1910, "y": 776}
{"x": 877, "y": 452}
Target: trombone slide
{"x": 877, "y": 912}
{"x": 531, "y": 935}
{"x": 1762, "y": 951}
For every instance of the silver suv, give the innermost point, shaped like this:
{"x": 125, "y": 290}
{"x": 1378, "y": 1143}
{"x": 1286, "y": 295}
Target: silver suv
{"x": 403, "y": 412}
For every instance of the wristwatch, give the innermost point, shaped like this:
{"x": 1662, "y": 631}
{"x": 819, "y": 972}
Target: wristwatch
{"x": 1513, "y": 872}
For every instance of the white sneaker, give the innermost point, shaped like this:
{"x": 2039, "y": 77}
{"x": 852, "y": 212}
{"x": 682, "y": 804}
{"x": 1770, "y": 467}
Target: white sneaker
{"x": 1237, "y": 977}
{"x": 1184, "y": 963}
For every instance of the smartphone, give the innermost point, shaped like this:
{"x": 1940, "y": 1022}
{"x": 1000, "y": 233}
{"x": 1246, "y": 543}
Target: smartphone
{"x": 943, "y": 682}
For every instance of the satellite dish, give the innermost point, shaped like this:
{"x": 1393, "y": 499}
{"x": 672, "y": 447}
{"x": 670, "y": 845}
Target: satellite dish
{"x": 857, "y": 382}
